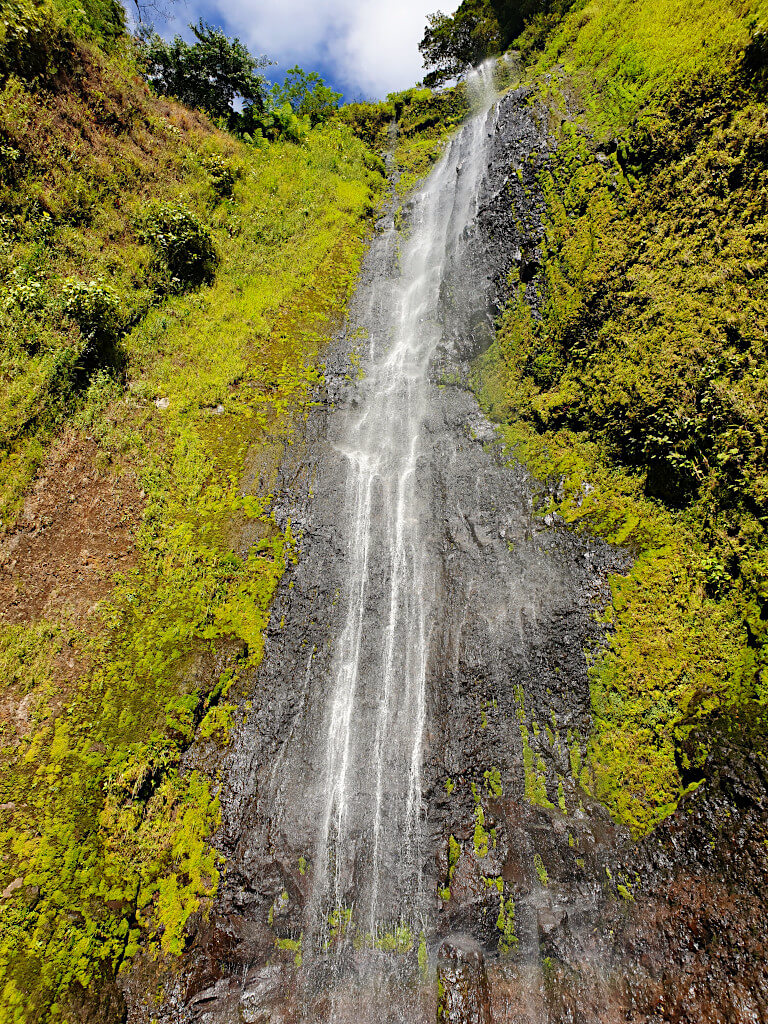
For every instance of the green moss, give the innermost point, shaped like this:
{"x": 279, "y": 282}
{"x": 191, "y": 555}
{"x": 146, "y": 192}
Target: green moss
{"x": 339, "y": 922}
{"x": 561, "y": 797}
{"x": 535, "y": 773}
{"x": 423, "y": 959}
{"x": 493, "y": 782}
{"x": 541, "y": 871}
{"x": 400, "y": 941}
{"x": 508, "y": 941}
{"x": 292, "y": 946}
{"x": 480, "y": 836}
{"x": 454, "y": 852}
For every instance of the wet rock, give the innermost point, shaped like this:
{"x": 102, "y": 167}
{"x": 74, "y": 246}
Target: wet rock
{"x": 463, "y": 993}
{"x": 262, "y": 997}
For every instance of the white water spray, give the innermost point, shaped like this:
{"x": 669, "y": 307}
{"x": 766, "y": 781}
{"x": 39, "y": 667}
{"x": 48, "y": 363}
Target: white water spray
{"x": 368, "y": 850}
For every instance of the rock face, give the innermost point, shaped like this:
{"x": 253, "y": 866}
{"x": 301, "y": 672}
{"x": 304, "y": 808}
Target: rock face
{"x": 462, "y": 984}
{"x": 532, "y": 906}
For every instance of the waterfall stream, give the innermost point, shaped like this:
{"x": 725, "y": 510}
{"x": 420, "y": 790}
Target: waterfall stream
{"x": 368, "y": 851}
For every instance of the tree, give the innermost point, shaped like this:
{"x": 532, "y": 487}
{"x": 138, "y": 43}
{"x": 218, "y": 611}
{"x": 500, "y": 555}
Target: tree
{"x": 479, "y": 29}
{"x": 146, "y": 9}
{"x": 307, "y": 94}
{"x": 211, "y": 73}
{"x": 453, "y": 45}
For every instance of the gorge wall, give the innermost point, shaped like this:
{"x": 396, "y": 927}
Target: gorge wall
{"x": 503, "y": 891}
{"x": 393, "y": 646}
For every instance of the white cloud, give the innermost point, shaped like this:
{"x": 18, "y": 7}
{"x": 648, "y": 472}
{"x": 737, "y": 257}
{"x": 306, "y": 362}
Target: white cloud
{"x": 371, "y": 45}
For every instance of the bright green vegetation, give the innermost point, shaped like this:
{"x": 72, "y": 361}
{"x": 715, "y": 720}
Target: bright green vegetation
{"x": 508, "y": 940}
{"x": 423, "y": 957}
{"x": 399, "y": 941}
{"x": 166, "y": 290}
{"x": 493, "y": 782}
{"x": 339, "y": 921}
{"x": 454, "y": 852}
{"x": 425, "y": 119}
{"x": 541, "y": 871}
{"x": 535, "y": 770}
{"x": 505, "y": 922}
{"x": 480, "y": 837}
{"x": 643, "y": 391}
{"x": 291, "y": 946}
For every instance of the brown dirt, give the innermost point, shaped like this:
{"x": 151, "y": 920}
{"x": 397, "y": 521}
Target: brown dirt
{"x": 75, "y": 532}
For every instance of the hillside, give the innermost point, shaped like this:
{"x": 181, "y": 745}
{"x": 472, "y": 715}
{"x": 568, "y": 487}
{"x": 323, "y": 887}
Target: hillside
{"x": 138, "y": 394}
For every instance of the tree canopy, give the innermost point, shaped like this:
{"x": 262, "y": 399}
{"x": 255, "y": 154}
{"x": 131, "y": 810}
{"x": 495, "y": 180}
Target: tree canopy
{"x": 479, "y": 29}
{"x": 453, "y": 45}
{"x": 212, "y": 73}
{"x": 307, "y": 94}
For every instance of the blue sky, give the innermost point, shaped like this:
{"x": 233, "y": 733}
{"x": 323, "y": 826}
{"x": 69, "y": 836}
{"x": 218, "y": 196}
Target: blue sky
{"x": 364, "y": 48}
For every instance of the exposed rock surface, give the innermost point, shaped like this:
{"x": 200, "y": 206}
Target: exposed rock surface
{"x": 463, "y": 993}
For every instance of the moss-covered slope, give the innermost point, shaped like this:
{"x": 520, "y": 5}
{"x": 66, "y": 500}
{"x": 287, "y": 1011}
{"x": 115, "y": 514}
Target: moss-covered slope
{"x": 643, "y": 387}
{"x": 161, "y": 382}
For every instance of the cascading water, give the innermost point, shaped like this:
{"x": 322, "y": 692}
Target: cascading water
{"x": 368, "y": 851}
{"x": 377, "y": 812}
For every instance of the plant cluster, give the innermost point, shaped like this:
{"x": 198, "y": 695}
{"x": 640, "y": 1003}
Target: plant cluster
{"x": 184, "y": 252}
{"x": 213, "y": 73}
{"x": 38, "y": 37}
{"x": 307, "y": 95}
{"x": 95, "y": 307}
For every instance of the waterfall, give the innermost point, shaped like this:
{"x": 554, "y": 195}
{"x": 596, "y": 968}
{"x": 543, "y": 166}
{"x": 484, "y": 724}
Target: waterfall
{"x": 368, "y": 853}
{"x": 423, "y": 670}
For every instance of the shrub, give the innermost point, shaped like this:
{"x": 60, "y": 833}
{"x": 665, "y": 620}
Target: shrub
{"x": 223, "y": 176}
{"x": 183, "y": 246}
{"x": 26, "y": 294}
{"x": 370, "y": 122}
{"x": 254, "y": 125}
{"x": 29, "y": 38}
{"x": 95, "y": 308}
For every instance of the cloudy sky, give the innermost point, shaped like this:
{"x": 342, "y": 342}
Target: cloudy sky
{"x": 365, "y": 48}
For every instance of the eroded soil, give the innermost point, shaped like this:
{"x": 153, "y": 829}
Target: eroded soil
{"x": 75, "y": 532}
